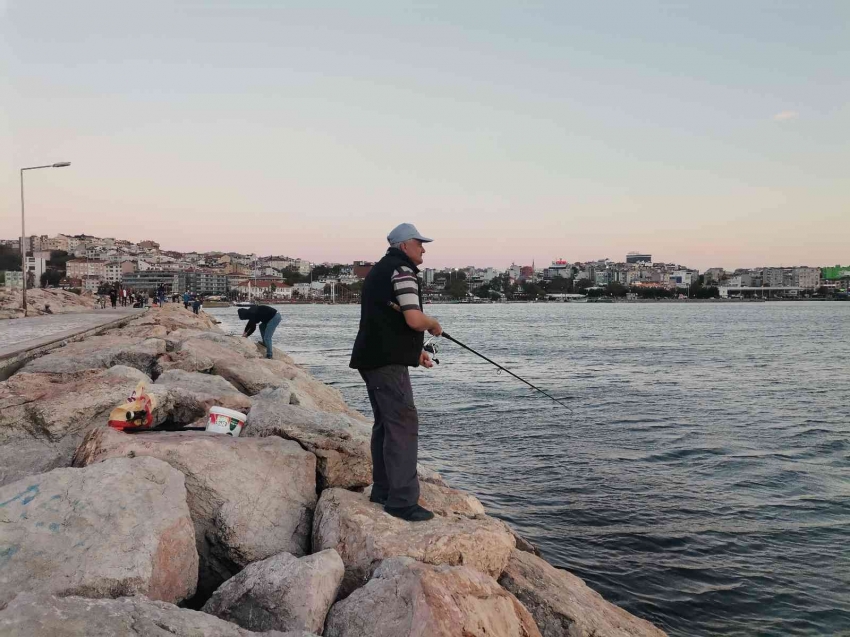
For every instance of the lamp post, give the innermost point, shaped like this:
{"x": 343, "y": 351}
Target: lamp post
{"x": 61, "y": 164}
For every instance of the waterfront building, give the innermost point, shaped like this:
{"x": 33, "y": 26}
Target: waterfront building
{"x": 602, "y": 278}
{"x": 149, "y": 280}
{"x": 558, "y": 269}
{"x": 683, "y": 278}
{"x": 773, "y": 277}
{"x": 806, "y": 278}
{"x": 637, "y": 257}
{"x": 713, "y": 276}
{"x": 202, "y": 282}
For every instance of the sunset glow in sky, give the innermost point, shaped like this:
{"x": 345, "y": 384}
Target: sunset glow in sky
{"x": 715, "y": 134}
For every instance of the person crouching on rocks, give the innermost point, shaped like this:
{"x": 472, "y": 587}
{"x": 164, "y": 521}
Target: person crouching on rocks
{"x": 390, "y": 339}
{"x": 267, "y": 317}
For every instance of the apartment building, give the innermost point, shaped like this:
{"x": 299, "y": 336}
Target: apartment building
{"x": 79, "y": 268}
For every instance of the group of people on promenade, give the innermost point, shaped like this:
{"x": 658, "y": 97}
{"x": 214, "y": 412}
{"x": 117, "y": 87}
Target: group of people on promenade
{"x": 390, "y": 340}
{"x": 124, "y": 297}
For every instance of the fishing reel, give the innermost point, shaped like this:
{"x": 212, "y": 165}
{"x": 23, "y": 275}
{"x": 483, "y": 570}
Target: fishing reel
{"x": 432, "y": 349}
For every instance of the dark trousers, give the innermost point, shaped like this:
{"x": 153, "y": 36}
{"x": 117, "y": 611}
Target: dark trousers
{"x": 395, "y": 435}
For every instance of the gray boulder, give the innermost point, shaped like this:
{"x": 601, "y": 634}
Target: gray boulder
{"x": 100, "y": 352}
{"x": 43, "y": 417}
{"x": 407, "y": 599}
{"x": 282, "y": 592}
{"x": 118, "y": 528}
{"x": 341, "y": 443}
{"x": 249, "y": 498}
{"x": 193, "y": 393}
{"x": 562, "y": 604}
{"x": 31, "y": 615}
{"x": 364, "y": 534}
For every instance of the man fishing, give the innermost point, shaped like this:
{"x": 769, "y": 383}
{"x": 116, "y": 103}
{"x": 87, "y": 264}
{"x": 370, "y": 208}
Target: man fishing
{"x": 267, "y": 317}
{"x": 390, "y": 340}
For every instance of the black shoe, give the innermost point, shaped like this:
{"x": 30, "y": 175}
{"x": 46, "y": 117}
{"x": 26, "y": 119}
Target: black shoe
{"x": 378, "y": 499}
{"x": 413, "y": 513}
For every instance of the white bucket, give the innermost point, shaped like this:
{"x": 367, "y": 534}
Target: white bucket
{"x": 226, "y": 421}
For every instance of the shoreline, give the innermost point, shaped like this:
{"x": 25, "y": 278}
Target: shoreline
{"x": 294, "y": 421}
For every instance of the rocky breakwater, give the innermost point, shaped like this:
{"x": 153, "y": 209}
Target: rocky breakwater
{"x": 190, "y": 533}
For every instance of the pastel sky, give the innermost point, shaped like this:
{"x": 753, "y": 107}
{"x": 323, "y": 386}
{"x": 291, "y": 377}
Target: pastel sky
{"x": 707, "y": 133}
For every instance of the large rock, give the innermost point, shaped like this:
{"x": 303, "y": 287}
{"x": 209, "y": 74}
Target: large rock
{"x": 43, "y": 417}
{"x": 445, "y": 501}
{"x": 239, "y": 365}
{"x": 143, "y": 331}
{"x": 173, "y": 339}
{"x": 314, "y": 394}
{"x": 174, "y": 317}
{"x": 238, "y": 344}
{"x": 193, "y": 393}
{"x": 562, "y": 604}
{"x": 408, "y": 599}
{"x": 341, "y": 443}
{"x": 363, "y": 534}
{"x": 282, "y": 592}
{"x": 252, "y": 375}
{"x": 118, "y": 528}
{"x": 30, "y": 615}
{"x": 177, "y": 339}
{"x": 250, "y": 498}
{"x": 100, "y": 352}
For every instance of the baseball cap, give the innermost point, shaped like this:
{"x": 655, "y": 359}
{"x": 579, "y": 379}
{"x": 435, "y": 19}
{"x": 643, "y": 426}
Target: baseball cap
{"x": 404, "y": 232}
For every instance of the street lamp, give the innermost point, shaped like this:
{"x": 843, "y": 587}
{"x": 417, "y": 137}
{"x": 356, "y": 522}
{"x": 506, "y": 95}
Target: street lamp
{"x": 61, "y": 164}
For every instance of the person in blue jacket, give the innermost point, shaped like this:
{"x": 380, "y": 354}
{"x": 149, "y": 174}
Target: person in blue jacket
{"x": 268, "y": 319}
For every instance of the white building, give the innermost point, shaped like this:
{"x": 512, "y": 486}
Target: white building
{"x": 806, "y": 278}
{"x": 489, "y": 274}
{"x": 683, "y": 278}
{"x": 559, "y": 268}
{"x": 37, "y": 266}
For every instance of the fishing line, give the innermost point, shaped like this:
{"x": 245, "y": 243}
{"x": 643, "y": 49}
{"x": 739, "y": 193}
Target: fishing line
{"x": 431, "y": 347}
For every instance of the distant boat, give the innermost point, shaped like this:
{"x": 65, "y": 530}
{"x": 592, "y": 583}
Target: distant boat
{"x": 242, "y": 304}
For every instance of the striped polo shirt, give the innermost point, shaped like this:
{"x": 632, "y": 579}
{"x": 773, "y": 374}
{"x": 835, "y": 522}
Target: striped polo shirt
{"x": 406, "y": 288}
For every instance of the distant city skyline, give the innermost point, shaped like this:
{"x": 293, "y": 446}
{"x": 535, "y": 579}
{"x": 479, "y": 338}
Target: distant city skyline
{"x": 711, "y": 135}
{"x": 540, "y": 265}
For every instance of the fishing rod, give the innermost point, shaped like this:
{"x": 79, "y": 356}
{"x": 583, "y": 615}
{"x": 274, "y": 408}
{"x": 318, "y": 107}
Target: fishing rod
{"x": 432, "y": 348}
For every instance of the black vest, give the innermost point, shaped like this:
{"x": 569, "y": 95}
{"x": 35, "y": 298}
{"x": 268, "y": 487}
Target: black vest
{"x": 384, "y": 337}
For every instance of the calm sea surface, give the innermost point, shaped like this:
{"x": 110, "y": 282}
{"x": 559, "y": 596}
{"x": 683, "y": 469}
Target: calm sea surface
{"x": 702, "y": 478}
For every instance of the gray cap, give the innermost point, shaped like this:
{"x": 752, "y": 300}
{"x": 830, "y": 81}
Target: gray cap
{"x": 404, "y": 232}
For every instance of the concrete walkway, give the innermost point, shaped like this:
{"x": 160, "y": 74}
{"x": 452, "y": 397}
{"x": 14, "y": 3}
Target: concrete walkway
{"x": 18, "y": 336}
